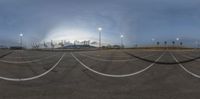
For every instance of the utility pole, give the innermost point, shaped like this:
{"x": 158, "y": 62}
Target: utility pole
{"x": 100, "y": 29}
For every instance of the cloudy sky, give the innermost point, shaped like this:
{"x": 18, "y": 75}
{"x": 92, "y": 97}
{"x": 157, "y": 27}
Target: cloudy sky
{"x": 138, "y": 20}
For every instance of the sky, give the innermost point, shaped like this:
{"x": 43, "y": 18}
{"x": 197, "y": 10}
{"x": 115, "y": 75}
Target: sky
{"x": 138, "y": 20}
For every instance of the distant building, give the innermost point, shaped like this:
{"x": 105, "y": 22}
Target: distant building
{"x": 3, "y": 47}
{"x": 117, "y": 46}
{"x": 78, "y": 46}
{"x": 16, "y": 48}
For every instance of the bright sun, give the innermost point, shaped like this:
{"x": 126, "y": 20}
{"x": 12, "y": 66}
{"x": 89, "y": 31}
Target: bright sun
{"x": 69, "y": 35}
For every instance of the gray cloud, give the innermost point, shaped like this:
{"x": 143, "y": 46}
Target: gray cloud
{"x": 138, "y": 20}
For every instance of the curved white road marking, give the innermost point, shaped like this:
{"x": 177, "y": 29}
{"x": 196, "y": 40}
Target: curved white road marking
{"x": 27, "y": 56}
{"x": 117, "y": 60}
{"x": 34, "y": 77}
{"x": 103, "y": 56}
{"x": 116, "y": 76}
{"x": 189, "y": 57}
{"x": 24, "y": 62}
{"x": 24, "y": 57}
{"x": 189, "y": 72}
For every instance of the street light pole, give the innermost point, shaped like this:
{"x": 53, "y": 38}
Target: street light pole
{"x": 197, "y": 42}
{"x": 177, "y": 39}
{"x": 122, "y": 45}
{"x": 153, "y": 40}
{"x": 21, "y": 35}
{"x": 100, "y": 29}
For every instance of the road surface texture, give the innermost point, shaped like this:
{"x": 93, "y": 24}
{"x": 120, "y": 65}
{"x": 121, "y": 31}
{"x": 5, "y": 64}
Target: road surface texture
{"x": 101, "y": 74}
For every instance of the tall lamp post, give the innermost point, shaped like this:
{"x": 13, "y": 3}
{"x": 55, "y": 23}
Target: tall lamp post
{"x": 122, "y": 44}
{"x": 177, "y": 39}
{"x": 21, "y": 35}
{"x": 153, "y": 40}
{"x": 197, "y": 43}
{"x": 100, "y": 29}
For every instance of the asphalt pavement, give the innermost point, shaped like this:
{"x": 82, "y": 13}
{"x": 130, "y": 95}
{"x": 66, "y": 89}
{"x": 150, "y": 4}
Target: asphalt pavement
{"x": 104, "y": 74}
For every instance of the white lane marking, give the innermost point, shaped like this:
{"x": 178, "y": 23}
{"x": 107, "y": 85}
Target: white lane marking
{"x": 25, "y": 57}
{"x": 101, "y": 55}
{"x": 189, "y": 57}
{"x": 34, "y": 77}
{"x": 100, "y": 59}
{"x": 191, "y": 73}
{"x": 24, "y": 62}
{"x": 116, "y": 76}
{"x": 104, "y": 56}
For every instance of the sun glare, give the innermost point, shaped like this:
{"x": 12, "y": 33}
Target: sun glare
{"x": 68, "y": 35}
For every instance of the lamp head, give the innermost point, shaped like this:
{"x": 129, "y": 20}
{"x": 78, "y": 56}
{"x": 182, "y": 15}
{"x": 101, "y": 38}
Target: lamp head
{"x": 21, "y": 34}
{"x": 100, "y": 29}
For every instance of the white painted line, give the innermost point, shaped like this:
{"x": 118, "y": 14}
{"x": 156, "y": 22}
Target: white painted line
{"x": 24, "y": 62}
{"x": 116, "y": 76}
{"x": 117, "y": 60}
{"x": 34, "y": 77}
{"x": 189, "y": 57}
{"x": 103, "y": 56}
{"x": 24, "y": 57}
{"x": 10, "y": 57}
{"x": 189, "y": 72}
